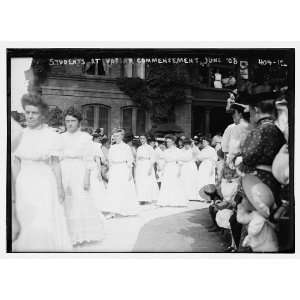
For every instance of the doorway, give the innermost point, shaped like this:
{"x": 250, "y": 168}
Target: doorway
{"x": 218, "y": 120}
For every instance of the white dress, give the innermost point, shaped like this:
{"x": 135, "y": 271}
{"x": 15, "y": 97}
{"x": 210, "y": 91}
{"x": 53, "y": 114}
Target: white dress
{"x": 41, "y": 216}
{"x": 189, "y": 174}
{"x": 172, "y": 190}
{"x": 97, "y": 189}
{"x": 226, "y": 137}
{"x": 121, "y": 193}
{"x": 207, "y": 168}
{"x": 84, "y": 220}
{"x": 146, "y": 185}
{"x": 159, "y": 163}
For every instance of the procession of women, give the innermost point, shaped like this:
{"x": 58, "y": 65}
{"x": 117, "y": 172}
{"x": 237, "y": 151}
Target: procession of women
{"x": 66, "y": 184}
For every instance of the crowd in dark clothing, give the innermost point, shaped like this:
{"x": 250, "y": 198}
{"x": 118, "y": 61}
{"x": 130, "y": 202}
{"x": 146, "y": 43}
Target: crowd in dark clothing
{"x": 250, "y": 200}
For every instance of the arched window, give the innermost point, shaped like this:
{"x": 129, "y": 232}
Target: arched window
{"x": 97, "y": 116}
{"x": 133, "y": 120}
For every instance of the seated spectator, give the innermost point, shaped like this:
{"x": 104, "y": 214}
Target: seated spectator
{"x": 210, "y": 194}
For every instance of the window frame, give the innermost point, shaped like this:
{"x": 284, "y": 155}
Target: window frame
{"x": 96, "y": 108}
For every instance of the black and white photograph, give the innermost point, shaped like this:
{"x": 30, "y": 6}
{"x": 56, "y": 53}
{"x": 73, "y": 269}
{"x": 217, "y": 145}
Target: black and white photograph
{"x": 150, "y": 150}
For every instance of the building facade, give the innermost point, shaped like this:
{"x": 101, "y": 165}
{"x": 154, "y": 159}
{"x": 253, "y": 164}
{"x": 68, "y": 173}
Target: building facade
{"x": 92, "y": 87}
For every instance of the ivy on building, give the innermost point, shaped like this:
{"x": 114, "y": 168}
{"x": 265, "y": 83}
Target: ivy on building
{"x": 40, "y": 69}
{"x": 18, "y": 117}
{"x": 55, "y": 117}
{"x": 159, "y": 93}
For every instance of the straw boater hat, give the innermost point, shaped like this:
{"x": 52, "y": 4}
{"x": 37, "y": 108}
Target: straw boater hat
{"x": 207, "y": 192}
{"x": 160, "y": 139}
{"x": 239, "y": 107}
{"x": 256, "y": 98}
{"x": 258, "y": 194}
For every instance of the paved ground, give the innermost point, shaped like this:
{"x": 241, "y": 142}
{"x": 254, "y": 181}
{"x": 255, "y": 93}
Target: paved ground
{"x": 183, "y": 232}
{"x": 160, "y": 230}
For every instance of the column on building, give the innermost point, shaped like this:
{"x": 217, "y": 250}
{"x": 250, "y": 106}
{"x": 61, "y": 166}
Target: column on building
{"x": 183, "y": 115}
{"x": 148, "y": 121}
{"x": 134, "y": 118}
{"x": 207, "y": 120}
{"x": 128, "y": 67}
{"x": 140, "y": 70}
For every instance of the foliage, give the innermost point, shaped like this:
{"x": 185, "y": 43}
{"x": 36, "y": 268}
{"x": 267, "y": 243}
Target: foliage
{"x": 136, "y": 89}
{"x": 40, "y": 69}
{"x": 159, "y": 93}
{"x": 55, "y": 117}
{"x": 18, "y": 117}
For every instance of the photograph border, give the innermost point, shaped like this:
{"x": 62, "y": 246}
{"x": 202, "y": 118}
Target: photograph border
{"x": 289, "y": 53}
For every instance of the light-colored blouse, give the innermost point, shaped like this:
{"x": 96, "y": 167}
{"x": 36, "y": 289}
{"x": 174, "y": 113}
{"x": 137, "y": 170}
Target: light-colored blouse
{"x": 120, "y": 153}
{"x": 38, "y": 144}
{"x": 145, "y": 152}
{"x": 76, "y": 145}
{"x": 187, "y": 155}
{"x": 172, "y": 155}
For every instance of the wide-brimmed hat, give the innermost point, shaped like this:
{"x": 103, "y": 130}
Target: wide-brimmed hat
{"x": 160, "y": 139}
{"x": 222, "y": 218}
{"x": 256, "y": 98}
{"x": 258, "y": 194}
{"x": 207, "y": 191}
{"x": 239, "y": 107}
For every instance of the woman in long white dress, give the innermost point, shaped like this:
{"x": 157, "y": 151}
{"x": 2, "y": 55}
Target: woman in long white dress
{"x": 146, "y": 185}
{"x": 16, "y": 136}
{"x": 207, "y": 169}
{"x": 97, "y": 188}
{"x": 121, "y": 193}
{"x": 85, "y": 222}
{"x": 159, "y": 160}
{"x": 39, "y": 190}
{"x": 172, "y": 190}
{"x": 189, "y": 173}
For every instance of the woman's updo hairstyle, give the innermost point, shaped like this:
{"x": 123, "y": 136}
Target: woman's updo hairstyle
{"x": 73, "y": 112}
{"x": 187, "y": 141}
{"x": 170, "y": 137}
{"x": 35, "y": 100}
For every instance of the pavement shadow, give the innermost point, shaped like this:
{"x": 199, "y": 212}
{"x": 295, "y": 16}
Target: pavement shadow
{"x": 203, "y": 241}
{"x": 182, "y": 232}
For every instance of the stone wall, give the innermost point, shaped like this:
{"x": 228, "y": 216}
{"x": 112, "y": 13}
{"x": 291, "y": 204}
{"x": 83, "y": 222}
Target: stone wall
{"x": 64, "y": 92}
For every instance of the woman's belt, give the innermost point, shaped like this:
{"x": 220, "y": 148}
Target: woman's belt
{"x": 264, "y": 168}
{"x": 72, "y": 157}
{"x": 143, "y": 158}
{"x": 172, "y": 162}
{"x": 119, "y": 162}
